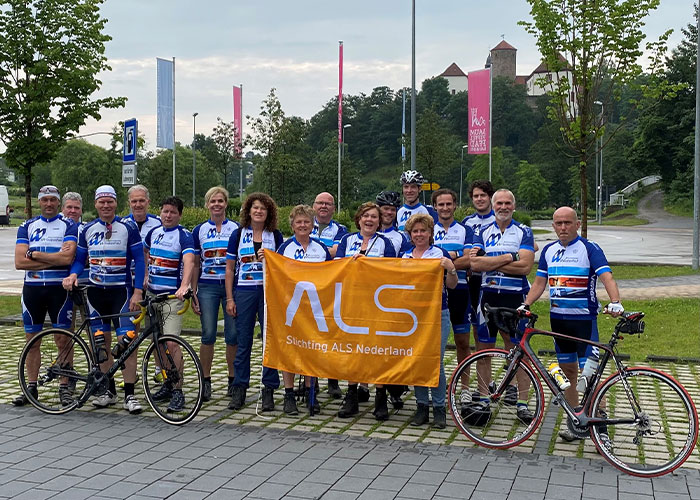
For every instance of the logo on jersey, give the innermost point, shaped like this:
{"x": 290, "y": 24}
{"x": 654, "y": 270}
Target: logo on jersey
{"x": 37, "y": 234}
{"x": 405, "y": 216}
{"x": 558, "y": 255}
{"x": 440, "y": 235}
{"x": 159, "y": 238}
{"x": 355, "y": 246}
{"x": 493, "y": 240}
{"x": 299, "y": 254}
{"x": 212, "y": 233}
{"x": 247, "y": 237}
{"x": 96, "y": 239}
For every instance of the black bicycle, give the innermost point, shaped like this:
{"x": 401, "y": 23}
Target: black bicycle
{"x": 651, "y": 421}
{"x": 67, "y": 372}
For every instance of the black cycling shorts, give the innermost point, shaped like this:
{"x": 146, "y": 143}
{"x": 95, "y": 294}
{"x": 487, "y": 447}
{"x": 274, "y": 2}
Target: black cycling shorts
{"x": 487, "y": 331}
{"x": 106, "y": 301}
{"x": 474, "y": 292}
{"x": 38, "y": 300}
{"x": 460, "y": 309}
{"x": 569, "y": 351}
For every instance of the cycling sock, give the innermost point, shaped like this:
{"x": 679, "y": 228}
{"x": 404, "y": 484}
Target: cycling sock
{"x": 289, "y": 390}
{"x": 32, "y": 384}
{"x": 128, "y": 389}
{"x": 521, "y": 403}
{"x": 207, "y": 379}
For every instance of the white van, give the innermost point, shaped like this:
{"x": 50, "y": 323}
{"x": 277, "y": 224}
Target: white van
{"x": 4, "y": 206}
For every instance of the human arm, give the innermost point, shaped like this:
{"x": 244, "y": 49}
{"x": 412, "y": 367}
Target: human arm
{"x": 613, "y": 293}
{"x": 64, "y": 257}
{"x": 24, "y": 263}
{"x": 194, "y": 283}
{"x": 536, "y": 290}
{"x": 332, "y": 250}
{"x": 187, "y": 271}
{"x": 229, "y": 280}
{"x": 451, "y": 277}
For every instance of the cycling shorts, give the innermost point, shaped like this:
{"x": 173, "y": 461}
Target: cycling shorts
{"x": 460, "y": 309}
{"x": 38, "y": 300}
{"x": 487, "y": 329}
{"x": 474, "y": 292}
{"x": 107, "y": 301}
{"x": 569, "y": 351}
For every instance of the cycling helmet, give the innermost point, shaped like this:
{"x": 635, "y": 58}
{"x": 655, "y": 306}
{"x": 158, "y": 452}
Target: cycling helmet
{"x": 412, "y": 177}
{"x": 389, "y": 198}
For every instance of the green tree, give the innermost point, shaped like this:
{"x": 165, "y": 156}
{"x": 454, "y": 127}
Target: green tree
{"x": 480, "y": 169}
{"x": 594, "y": 48}
{"x": 50, "y": 55}
{"x": 533, "y": 190}
{"x": 437, "y": 151}
{"x": 224, "y": 141}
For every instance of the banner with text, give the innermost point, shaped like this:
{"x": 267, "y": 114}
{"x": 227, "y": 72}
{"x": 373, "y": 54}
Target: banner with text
{"x": 478, "y": 103}
{"x": 165, "y": 118}
{"x": 369, "y": 320}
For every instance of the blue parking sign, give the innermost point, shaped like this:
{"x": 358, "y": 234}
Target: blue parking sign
{"x": 130, "y": 136}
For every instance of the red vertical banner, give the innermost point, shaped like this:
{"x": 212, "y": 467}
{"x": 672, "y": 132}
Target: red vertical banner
{"x": 238, "y": 118}
{"x": 479, "y": 111}
{"x": 340, "y": 92}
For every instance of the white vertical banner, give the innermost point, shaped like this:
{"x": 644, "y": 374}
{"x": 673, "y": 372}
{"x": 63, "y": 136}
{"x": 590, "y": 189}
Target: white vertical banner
{"x": 166, "y": 104}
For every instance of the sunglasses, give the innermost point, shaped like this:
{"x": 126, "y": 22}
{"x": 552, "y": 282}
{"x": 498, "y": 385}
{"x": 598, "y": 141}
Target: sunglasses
{"x": 108, "y": 234}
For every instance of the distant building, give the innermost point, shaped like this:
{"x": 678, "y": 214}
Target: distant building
{"x": 456, "y": 79}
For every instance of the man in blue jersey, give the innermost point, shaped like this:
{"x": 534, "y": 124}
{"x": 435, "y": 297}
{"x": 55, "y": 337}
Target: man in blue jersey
{"x": 139, "y": 201}
{"x": 44, "y": 250}
{"x": 389, "y": 202}
{"x": 411, "y": 182}
{"x": 571, "y": 266}
{"x": 504, "y": 253}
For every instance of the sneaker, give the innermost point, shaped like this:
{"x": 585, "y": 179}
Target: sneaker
{"x": 237, "y": 397}
{"x": 334, "y": 389}
{"x": 421, "y": 416}
{"x": 163, "y": 394}
{"x": 268, "y": 399}
{"x": 290, "y": 404}
{"x": 206, "y": 390}
{"x": 439, "y": 417}
{"x": 177, "y": 402}
{"x": 22, "y": 400}
{"x": 567, "y": 435}
{"x": 465, "y": 397}
{"x": 105, "y": 400}
{"x": 605, "y": 441}
{"x": 476, "y": 413}
{"x": 132, "y": 405}
{"x": 510, "y": 397}
{"x": 524, "y": 414}
{"x": 350, "y": 407}
{"x": 65, "y": 395}
{"x": 362, "y": 394}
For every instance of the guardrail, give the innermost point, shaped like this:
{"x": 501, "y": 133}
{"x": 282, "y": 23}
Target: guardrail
{"x": 618, "y": 198}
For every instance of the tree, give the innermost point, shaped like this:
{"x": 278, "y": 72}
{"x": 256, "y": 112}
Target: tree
{"x": 533, "y": 190}
{"x": 224, "y": 137}
{"x": 437, "y": 151}
{"x": 50, "y": 55}
{"x": 593, "y": 48}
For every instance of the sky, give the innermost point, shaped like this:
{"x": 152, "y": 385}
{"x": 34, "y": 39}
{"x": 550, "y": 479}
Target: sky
{"x": 293, "y": 46}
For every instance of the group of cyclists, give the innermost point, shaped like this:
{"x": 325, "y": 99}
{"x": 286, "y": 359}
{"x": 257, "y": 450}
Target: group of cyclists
{"x": 486, "y": 259}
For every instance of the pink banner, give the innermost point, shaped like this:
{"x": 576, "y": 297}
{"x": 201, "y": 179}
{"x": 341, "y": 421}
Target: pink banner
{"x": 340, "y": 92}
{"x": 238, "y": 118}
{"x": 479, "y": 111}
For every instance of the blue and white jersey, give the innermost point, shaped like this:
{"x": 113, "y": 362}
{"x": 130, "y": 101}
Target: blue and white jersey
{"x": 490, "y": 239}
{"x": 331, "y": 234}
{"x": 572, "y": 273}
{"x": 476, "y": 221}
{"x": 146, "y": 226}
{"x": 211, "y": 246}
{"x": 249, "y": 270}
{"x": 84, "y": 277}
{"x": 406, "y": 211}
{"x": 378, "y": 246}
{"x": 434, "y": 252}
{"x": 456, "y": 238}
{"x": 47, "y": 235}
{"x": 315, "y": 250}
{"x": 166, "y": 249}
{"x": 399, "y": 240}
{"x": 109, "y": 255}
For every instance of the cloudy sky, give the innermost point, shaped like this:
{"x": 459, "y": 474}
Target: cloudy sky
{"x": 293, "y": 46}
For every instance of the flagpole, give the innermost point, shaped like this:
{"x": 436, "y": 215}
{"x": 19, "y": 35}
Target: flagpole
{"x": 413, "y": 85}
{"x": 340, "y": 112}
{"x": 490, "y": 114}
{"x": 173, "y": 126}
{"x": 240, "y": 171}
{"x": 403, "y": 129}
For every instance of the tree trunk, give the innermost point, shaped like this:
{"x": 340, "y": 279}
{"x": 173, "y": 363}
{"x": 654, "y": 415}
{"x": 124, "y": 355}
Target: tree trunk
{"x": 28, "y": 193}
{"x": 584, "y": 199}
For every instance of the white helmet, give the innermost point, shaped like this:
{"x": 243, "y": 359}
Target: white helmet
{"x": 412, "y": 177}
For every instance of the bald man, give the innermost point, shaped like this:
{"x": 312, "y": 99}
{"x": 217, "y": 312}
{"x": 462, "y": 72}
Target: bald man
{"x": 572, "y": 265}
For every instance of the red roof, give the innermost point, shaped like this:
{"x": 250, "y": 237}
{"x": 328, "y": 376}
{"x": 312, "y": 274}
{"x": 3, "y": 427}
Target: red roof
{"x": 453, "y": 70}
{"x": 521, "y": 79}
{"x": 543, "y": 68}
{"x": 503, "y": 45}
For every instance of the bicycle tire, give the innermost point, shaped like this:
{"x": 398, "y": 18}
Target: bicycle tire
{"x": 667, "y": 408}
{"x": 500, "y": 427}
{"x": 63, "y": 369}
{"x": 189, "y": 380}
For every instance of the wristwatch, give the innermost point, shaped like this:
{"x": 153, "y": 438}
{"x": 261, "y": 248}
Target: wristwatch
{"x": 29, "y": 254}
{"x": 452, "y": 272}
{"x": 515, "y": 255}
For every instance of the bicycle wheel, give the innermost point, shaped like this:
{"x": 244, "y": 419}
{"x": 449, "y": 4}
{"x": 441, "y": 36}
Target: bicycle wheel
{"x": 491, "y": 420}
{"x": 662, "y": 423}
{"x": 173, "y": 380}
{"x": 59, "y": 362}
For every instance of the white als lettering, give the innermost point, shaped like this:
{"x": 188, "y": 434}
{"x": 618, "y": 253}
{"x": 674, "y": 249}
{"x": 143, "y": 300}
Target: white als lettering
{"x": 316, "y": 308}
{"x": 360, "y": 330}
{"x": 395, "y": 310}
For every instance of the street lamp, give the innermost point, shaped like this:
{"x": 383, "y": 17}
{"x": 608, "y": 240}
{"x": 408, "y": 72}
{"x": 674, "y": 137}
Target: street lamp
{"x": 194, "y": 150}
{"x": 343, "y": 149}
{"x": 461, "y": 176}
{"x": 599, "y": 172}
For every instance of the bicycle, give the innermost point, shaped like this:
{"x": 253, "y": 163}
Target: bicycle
{"x": 652, "y": 423}
{"x": 69, "y": 372}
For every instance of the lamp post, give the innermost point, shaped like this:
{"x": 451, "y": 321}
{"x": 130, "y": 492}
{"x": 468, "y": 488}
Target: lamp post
{"x": 347, "y": 125}
{"x": 599, "y": 180}
{"x": 194, "y": 150}
{"x": 461, "y": 176}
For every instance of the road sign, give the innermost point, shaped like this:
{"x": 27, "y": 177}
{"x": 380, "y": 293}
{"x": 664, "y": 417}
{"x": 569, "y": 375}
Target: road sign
{"x": 130, "y": 136}
{"x": 128, "y": 174}
{"x": 429, "y": 186}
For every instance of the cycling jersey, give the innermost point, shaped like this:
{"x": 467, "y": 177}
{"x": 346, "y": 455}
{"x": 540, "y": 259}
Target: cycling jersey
{"x": 515, "y": 237}
{"x": 433, "y": 252}
{"x": 315, "y": 250}
{"x": 145, "y": 226}
{"x": 84, "y": 277}
{"x": 331, "y": 234}
{"x": 109, "y": 255}
{"x": 456, "y": 238}
{"x": 46, "y": 235}
{"x": 211, "y": 246}
{"x": 249, "y": 270}
{"x": 378, "y": 246}
{"x": 406, "y": 211}
{"x": 398, "y": 239}
{"x": 476, "y": 221}
{"x": 166, "y": 248}
{"x": 572, "y": 273}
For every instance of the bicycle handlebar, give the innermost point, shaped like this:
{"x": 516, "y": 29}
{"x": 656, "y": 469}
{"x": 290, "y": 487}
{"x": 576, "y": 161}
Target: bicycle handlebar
{"x": 161, "y": 298}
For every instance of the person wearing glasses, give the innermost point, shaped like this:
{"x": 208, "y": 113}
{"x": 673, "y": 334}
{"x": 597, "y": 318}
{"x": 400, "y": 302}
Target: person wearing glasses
{"x": 44, "y": 249}
{"x": 108, "y": 245}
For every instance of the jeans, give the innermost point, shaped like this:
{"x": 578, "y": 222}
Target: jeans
{"x": 211, "y": 296}
{"x": 249, "y": 304}
{"x": 438, "y": 393}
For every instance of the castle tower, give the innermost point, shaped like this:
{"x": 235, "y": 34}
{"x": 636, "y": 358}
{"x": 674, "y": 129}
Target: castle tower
{"x": 503, "y": 57}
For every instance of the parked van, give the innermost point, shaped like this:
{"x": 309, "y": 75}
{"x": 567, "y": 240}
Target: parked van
{"x": 4, "y": 206}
